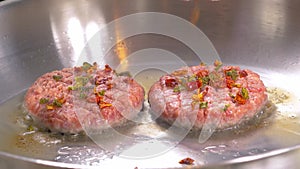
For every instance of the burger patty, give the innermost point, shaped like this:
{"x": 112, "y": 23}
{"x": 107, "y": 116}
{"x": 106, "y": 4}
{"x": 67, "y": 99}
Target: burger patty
{"x": 83, "y": 98}
{"x": 222, "y": 96}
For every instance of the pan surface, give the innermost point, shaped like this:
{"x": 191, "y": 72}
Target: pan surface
{"x": 260, "y": 35}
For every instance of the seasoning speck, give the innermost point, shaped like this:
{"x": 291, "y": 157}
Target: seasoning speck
{"x": 57, "y": 77}
{"x": 187, "y": 161}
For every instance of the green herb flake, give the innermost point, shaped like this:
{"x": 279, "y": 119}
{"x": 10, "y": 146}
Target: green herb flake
{"x": 81, "y": 80}
{"x": 57, "y": 77}
{"x": 245, "y": 93}
{"x": 203, "y": 105}
{"x": 44, "y": 100}
{"x": 71, "y": 88}
{"x": 30, "y": 128}
{"x": 218, "y": 65}
{"x": 191, "y": 78}
{"x": 86, "y": 66}
{"x": 57, "y": 103}
{"x": 176, "y": 89}
{"x": 226, "y": 107}
{"x": 102, "y": 93}
{"x": 233, "y": 74}
{"x": 205, "y": 80}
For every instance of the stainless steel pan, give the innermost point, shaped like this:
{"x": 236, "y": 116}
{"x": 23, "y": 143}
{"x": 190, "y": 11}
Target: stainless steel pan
{"x": 40, "y": 36}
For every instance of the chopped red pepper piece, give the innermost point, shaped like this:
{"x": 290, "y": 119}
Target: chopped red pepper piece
{"x": 243, "y": 73}
{"x": 202, "y": 73}
{"x": 104, "y": 105}
{"x": 100, "y": 81}
{"x": 171, "y": 82}
{"x": 229, "y": 82}
{"x": 231, "y": 73}
{"x": 239, "y": 99}
{"x": 242, "y": 96}
{"x": 107, "y": 68}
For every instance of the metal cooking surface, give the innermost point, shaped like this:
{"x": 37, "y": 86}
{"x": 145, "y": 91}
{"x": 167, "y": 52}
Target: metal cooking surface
{"x": 40, "y": 36}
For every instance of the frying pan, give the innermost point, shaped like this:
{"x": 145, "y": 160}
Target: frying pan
{"x": 40, "y": 36}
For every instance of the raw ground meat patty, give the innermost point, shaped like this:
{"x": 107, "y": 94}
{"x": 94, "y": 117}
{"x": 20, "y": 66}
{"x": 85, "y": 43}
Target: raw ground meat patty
{"x": 86, "y": 97}
{"x": 219, "y": 95}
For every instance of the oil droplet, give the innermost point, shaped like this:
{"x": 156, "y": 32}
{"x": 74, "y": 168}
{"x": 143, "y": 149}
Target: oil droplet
{"x": 278, "y": 96}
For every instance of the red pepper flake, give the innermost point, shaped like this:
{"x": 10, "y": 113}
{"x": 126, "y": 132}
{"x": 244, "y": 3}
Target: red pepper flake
{"x": 49, "y": 107}
{"x": 171, "y": 82}
{"x": 104, "y": 105}
{"x": 101, "y": 103}
{"x": 242, "y": 96}
{"x": 109, "y": 86}
{"x": 239, "y": 99}
{"x": 107, "y": 68}
{"x": 202, "y": 73}
{"x": 199, "y": 98}
{"x": 180, "y": 72}
{"x": 243, "y": 73}
{"x": 99, "y": 99}
{"x": 231, "y": 73}
{"x": 229, "y": 82}
{"x": 101, "y": 81}
{"x": 218, "y": 64}
{"x": 187, "y": 161}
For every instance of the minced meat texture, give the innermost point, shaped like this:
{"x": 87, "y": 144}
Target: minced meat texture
{"x": 193, "y": 96}
{"x": 73, "y": 99}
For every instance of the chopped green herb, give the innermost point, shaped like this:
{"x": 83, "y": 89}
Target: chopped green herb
{"x": 203, "y": 105}
{"x": 176, "y": 89}
{"x": 102, "y": 93}
{"x": 71, "y": 88}
{"x": 205, "y": 80}
{"x": 218, "y": 65}
{"x": 30, "y": 128}
{"x": 245, "y": 93}
{"x": 191, "y": 78}
{"x": 233, "y": 74}
{"x": 86, "y": 66}
{"x": 81, "y": 80}
{"x": 57, "y": 103}
{"x": 57, "y": 77}
{"x": 226, "y": 107}
{"x": 44, "y": 100}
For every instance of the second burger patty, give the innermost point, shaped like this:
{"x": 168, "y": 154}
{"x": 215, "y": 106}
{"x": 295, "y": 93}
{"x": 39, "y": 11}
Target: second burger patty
{"x": 223, "y": 96}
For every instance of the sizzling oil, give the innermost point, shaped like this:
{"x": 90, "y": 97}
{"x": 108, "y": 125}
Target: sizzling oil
{"x": 17, "y": 138}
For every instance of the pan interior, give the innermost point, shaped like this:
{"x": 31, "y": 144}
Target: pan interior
{"x": 260, "y": 136}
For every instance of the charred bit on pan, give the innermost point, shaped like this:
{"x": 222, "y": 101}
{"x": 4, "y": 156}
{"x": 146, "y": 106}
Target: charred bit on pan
{"x": 187, "y": 161}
